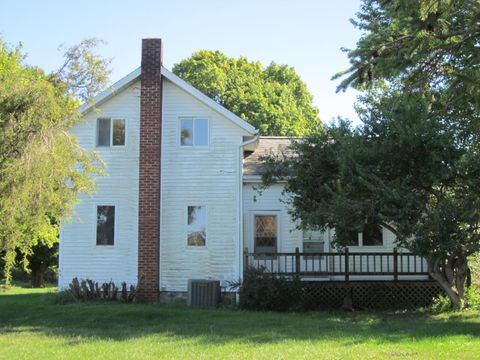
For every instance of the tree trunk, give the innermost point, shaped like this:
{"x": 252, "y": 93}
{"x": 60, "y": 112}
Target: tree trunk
{"x": 461, "y": 275}
{"x": 442, "y": 272}
{"x": 38, "y": 276}
{"x": 453, "y": 296}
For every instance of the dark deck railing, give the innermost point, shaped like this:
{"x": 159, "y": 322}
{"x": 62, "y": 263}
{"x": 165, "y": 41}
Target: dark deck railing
{"x": 345, "y": 263}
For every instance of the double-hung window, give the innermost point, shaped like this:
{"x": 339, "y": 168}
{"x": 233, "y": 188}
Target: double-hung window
{"x": 265, "y": 233}
{"x": 196, "y": 225}
{"x": 194, "y": 132}
{"x": 110, "y": 132}
{"x": 105, "y": 225}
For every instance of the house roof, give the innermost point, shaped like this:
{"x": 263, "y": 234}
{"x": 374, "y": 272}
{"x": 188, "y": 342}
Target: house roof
{"x": 135, "y": 75}
{"x": 267, "y": 146}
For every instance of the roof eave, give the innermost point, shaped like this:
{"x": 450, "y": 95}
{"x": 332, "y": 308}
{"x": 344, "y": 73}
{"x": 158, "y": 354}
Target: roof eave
{"x": 134, "y": 75}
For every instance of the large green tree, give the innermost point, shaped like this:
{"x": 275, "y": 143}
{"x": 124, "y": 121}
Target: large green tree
{"x": 42, "y": 167}
{"x": 273, "y": 99}
{"x": 422, "y": 44}
{"x": 412, "y": 165}
{"x": 401, "y": 169}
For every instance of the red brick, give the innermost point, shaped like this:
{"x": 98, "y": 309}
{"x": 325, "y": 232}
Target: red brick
{"x": 150, "y": 170}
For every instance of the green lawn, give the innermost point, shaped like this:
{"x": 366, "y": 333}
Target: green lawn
{"x": 32, "y": 327}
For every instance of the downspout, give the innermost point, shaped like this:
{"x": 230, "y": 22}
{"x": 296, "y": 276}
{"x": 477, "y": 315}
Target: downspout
{"x": 240, "y": 205}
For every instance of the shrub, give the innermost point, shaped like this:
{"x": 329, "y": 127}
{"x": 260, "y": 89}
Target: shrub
{"x": 441, "y": 303}
{"x": 86, "y": 290}
{"x": 471, "y": 301}
{"x": 472, "y": 298}
{"x": 260, "y": 290}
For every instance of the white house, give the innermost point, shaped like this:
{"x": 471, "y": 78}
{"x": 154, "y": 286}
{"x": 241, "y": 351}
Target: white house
{"x": 179, "y": 202}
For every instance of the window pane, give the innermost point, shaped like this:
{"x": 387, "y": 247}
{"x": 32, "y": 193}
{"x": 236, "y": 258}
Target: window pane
{"x": 372, "y": 235}
{"x": 103, "y": 132}
{"x": 196, "y": 227}
{"x": 105, "y": 225}
{"x": 201, "y": 132}
{"x": 265, "y": 233}
{"x": 118, "y": 132}
{"x": 186, "y": 132}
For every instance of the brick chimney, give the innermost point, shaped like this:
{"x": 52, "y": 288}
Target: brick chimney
{"x": 150, "y": 170}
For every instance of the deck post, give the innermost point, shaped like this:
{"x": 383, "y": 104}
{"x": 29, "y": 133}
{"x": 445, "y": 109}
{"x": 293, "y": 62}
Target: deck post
{"x": 297, "y": 261}
{"x": 395, "y": 264}
{"x": 245, "y": 260}
{"x": 347, "y": 266}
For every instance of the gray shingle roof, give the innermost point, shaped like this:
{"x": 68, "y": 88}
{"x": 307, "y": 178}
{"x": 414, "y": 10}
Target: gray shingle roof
{"x": 268, "y": 145}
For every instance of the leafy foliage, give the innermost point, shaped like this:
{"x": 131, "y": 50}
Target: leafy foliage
{"x": 42, "y": 167}
{"x": 421, "y": 42}
{"x": 259, "y": 290}
{"x": 84, "y": 73}
{"x": 412, "y": 165}
{"x": 42, "y": 257}
{"x": 273, "y": 99}
{"x": 414, "y": 174}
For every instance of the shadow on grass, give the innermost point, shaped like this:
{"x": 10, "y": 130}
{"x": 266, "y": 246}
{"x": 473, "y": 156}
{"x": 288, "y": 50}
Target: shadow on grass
{"x": 115, "y": 321}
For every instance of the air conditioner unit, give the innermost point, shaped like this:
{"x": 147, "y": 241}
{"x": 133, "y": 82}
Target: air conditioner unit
{"x": 203, "y": 293}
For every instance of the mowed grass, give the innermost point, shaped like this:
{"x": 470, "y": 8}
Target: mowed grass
{"x": 33, "y": 327}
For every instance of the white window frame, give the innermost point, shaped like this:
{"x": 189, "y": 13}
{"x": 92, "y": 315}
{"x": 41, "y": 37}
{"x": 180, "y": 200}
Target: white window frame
{"x": 252, "y": 225}
{"x": 199, "y": 247}
{"x": 112, "y": 119}
{"x": 179, "y": 134}
{"x": 115, "y": 225}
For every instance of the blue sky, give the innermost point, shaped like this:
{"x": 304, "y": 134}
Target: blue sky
{"x": 304, "y": 34}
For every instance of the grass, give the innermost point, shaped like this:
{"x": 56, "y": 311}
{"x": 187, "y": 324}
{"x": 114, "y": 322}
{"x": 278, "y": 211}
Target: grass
{"x": 32, "y": 327}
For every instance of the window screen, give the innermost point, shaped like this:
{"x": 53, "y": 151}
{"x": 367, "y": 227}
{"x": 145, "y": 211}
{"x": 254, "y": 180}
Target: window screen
{"x": 118, "y": 137}
{"x": 197, "y": 226}
{"x": 186, "y": 132}
{"x": 103, "y": 132}
{"x": 194, "y": 132}
{"x": 201, "y": 132}
{"x": 265, "y": 233}
{"x": 105, "y": 225}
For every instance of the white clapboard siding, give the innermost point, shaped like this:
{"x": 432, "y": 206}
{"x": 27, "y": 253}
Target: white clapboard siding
{"x": 269, "y": 201}
{"x": 195, "y": 176}
{"x": 289, "y": 237}
{"x": 79, "y": 255}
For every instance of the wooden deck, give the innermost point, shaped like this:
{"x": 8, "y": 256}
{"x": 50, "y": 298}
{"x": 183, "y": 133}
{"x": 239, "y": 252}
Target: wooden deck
{"x": 392, "y": 266}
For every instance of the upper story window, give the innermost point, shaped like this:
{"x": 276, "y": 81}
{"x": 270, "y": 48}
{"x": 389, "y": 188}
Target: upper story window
{"x": 110, "y": 132}
{"x": 194, "y": 132}
{"x": 105, "y": 225}
{"x": 197, "y": 225}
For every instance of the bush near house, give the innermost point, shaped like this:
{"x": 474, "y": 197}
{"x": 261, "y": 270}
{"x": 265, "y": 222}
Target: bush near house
{"x": 259, "y": 290}
{"x": 89, "y": 290}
